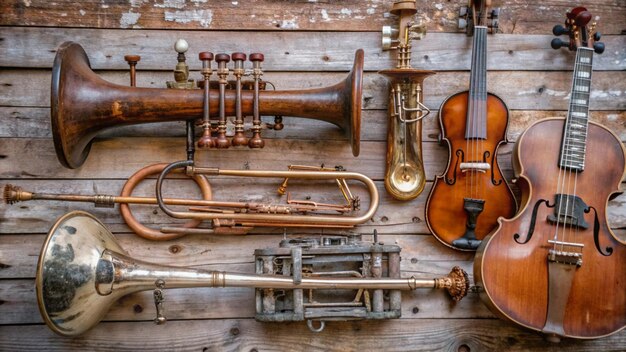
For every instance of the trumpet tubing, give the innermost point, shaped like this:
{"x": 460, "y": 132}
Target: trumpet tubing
{"x": 83, "y": 104}
{"x": 82, "y": 271}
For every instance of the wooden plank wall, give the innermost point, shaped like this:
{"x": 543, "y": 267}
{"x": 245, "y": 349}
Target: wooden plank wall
{"x": 306, "y": 44}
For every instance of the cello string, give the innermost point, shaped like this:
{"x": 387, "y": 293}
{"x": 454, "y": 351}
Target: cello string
{"x": 566, "y": 158}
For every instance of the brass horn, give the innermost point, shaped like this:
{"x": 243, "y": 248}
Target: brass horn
{"x": 404, "y": 173}
{"x": 228, "y": 217}
{"x": 82, "y": 271}
{"x": 83, "y": 104}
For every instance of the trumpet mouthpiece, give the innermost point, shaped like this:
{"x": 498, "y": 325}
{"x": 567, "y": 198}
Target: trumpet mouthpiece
{"x": 13, "y": 194}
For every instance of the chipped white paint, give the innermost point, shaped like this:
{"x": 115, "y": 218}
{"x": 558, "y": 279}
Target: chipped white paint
{"x": 346, "y": 12}
{"x": 285, "y": 24}
{"x": 82, "y": 12}
{"x": 325, "y": 15}
{"x": 135, "y": 3}
{"x": 204, "y": 17}
{"x": 129, "y": 19}
{"x": 605, "y": 94}
{"x": 612, "y": 117}
{"x": 172, "y": 4}
{"x": 370, "y": 10}
{"x": 27, "y": 3}
{"x": 63, "y": 14}
{"x": 200, "y": 1}
{"x": 235, "y": 3}
{"x": 439, "y": 6}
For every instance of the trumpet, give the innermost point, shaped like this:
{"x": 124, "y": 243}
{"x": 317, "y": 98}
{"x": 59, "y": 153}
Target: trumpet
{"x": 83, "y": 104}
{"x": 227, "y": 217}
{"x": 82, "y": 270}
{"x": 404, "y": 172}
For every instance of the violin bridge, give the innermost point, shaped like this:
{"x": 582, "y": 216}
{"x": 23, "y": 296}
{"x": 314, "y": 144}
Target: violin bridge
{"x": 480, "y": 167}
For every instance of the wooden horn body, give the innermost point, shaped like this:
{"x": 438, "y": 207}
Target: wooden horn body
{"x": 83, "y": 104}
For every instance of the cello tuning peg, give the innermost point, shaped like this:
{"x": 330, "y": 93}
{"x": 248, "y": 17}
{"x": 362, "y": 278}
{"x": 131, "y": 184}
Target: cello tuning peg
{"x": 495, "y": 24}
{"x": 596, "y": 36}
{"x": 462, "y": 24}
{"x": 598, "y": 47}
{"x": 558, "y": 43}
{"x": 463, "y": 11}
{"x": 559, "y": 30}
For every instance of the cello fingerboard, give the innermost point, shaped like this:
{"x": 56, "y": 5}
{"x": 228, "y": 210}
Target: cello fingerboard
{"x": 574, "y": 142}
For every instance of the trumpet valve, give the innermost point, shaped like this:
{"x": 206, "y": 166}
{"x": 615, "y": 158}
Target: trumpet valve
{"x": 222, "y": 72}
{"x": 132, "y": 62}
{"x": 221, "y": 142}
{"x": 206, "y": 141}
{"x": 256, "y": 141}
{"x": 239, "y": 138}
{"x": 181, "y": 72}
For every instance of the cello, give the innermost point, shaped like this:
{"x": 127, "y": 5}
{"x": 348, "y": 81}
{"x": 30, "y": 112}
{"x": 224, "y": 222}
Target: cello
{"x": 466, "y": 200}
{"x": 556, "y": 267}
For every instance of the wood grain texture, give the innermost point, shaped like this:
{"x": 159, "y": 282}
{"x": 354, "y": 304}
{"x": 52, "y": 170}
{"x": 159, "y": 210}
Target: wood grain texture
{"x": 306, "y": 44}
{"x": 22, "y": 122}
{"x": 517, "y": 16}
{"x": 294, "y": 51}
{"x": 535, "y": 90}
{"x": 248, "y": 335}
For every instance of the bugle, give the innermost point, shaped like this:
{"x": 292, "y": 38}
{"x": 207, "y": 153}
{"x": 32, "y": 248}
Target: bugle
{"x": 228, "y": 217}
{"x": 82, "y": 271}
{"x": 404, "y": 173}
{"x": 83, "y": 104}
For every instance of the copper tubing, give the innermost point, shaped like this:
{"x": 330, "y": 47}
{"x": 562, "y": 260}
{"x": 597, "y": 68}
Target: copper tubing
{"x": 144, "y": 231}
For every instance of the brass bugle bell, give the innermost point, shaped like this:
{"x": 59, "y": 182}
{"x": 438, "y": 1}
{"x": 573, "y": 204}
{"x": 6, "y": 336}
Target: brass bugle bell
{"x": 82, "y": 271}
{"x": 83, "y": 104}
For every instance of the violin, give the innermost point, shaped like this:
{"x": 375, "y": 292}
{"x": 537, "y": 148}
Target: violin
{"x": 466, "y": 200}
{"x": 557, "y": 267}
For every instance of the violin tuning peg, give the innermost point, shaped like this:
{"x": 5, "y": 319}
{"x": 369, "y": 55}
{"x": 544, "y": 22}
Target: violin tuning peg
{"x": 558, "y": 43}
{"x": 598, "y": 47}
{"x": 596, "y": 36}
{"x": 559, "y": 30}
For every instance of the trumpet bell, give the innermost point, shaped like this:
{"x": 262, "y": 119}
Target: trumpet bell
{"x": 67, "y": 272}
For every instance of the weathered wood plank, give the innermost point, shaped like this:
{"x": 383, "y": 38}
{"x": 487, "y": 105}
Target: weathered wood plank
{"x": 533, "y": 90}
{"x": 391, "y": 217}
{"x": 533, "y": 16}
{"x": 248, "y": 335}
{"x": 110, "y": 158}
{"x": 25, "y": 122}
{"x": 294, "y": 51}
{"x": 20, "y": 252}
